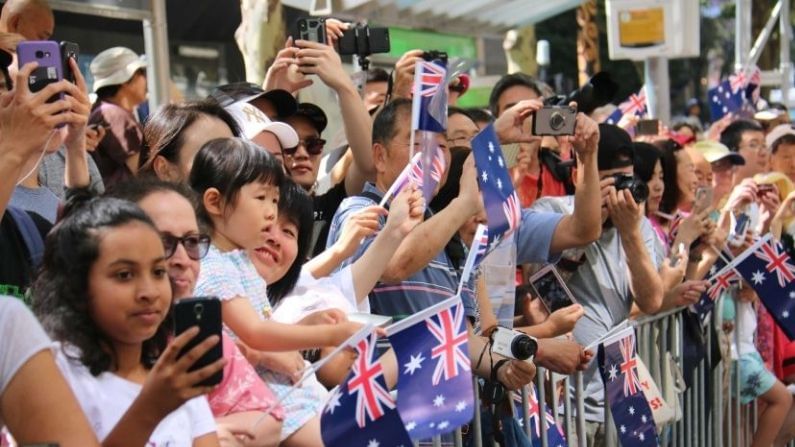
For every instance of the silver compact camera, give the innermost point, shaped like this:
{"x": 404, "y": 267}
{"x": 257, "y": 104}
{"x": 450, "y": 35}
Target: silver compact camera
{"x": 514, "y": 344}
{"x": 555, "y": 120}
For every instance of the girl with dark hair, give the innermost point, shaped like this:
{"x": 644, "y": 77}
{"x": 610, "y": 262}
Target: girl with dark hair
{"x": 176, "y": 132}
{"x": 239, "y": 187}
{"x": 648, "y": 168}
{"x": 242, "y": 400}
{"x": 103, "y": 294}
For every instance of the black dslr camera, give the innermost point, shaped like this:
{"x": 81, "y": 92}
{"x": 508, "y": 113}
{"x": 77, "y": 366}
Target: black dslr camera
{"x": 636, "y": 187}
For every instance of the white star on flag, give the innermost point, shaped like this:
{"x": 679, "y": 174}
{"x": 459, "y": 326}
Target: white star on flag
{"x": 632, "y": 410}
{"x": 414, "y": 364}
{"x": 373, "y": 443}
{"x": 792, "y": 295}
{"x": 411, "y": 426}
{"x": 642, "y": 437}
{"x": 500, "y": 162}
{"x": 485, "y": 176}
{"x": 758, "y": 277}
{"x": 613, "y": 373}
{"x": 785, "y": 314}
{"x": 499, "y": 183}
{"x": 333, "y": 401}
{"x": 643, "y": 419}
{"x": 491, "y": 147}
{"x": 459, "y": 407}
{"x": 438, "y": 401}
{"x": 623, "y": 429}
{"x": 442, "y": 425}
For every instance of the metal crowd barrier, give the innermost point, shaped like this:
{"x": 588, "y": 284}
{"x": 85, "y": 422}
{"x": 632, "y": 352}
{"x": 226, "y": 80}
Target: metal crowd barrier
{"x": 709, "y": 416}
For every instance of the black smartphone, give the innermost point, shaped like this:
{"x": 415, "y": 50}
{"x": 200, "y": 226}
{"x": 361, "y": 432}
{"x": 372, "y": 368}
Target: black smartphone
{"x": 647, "y": 127}
{"x": 204, "y": 312}
{"x": 364, "y": 41}
{"x": 312, "y": 29}
{"x": 549, "y": 287}
{"x": 69, "y": 50}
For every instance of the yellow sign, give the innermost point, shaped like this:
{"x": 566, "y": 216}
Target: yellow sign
{"x": 641, "y": 27}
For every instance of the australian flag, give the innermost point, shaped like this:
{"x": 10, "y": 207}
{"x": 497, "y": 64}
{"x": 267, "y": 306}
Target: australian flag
{"x": 747, "y": 82}
{"x": 635, "y": 105}
{"x": 503, "y": 209}
{"x": 721, "y": 280}
{"x": 434, "y": 388}
{"x": 725, "y": 99}
{"x": 631, "y": 412}
{"x": 767, "y": 267}
{"x": 429, "y": 105}
{"x": 553, "y": 432}
{"x": 361, "y": 412}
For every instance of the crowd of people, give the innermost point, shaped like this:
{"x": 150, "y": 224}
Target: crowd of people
{"x": 108, "y": 220}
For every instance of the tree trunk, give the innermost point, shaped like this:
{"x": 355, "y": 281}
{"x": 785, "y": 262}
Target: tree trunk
{"x": 260, "y": 36}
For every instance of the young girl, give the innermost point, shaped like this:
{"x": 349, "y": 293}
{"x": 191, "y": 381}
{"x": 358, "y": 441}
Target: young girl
{"x": 239, "y": 187}
{"x": 103, "y": 294}
{"x": 242, "y": 398}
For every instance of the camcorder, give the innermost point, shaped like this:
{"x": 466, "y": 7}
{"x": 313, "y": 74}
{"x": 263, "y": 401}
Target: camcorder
{"x": 557, "y": 117}
{"x": 636, "y": 187}
{"x": 514, "y": 344}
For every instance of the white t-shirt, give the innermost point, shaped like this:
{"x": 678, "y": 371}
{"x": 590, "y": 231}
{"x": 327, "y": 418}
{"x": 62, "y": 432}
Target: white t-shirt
{"x": 22, "y": 337}
{"x": 312, "y": 294}
{"x": 107, "y": 397}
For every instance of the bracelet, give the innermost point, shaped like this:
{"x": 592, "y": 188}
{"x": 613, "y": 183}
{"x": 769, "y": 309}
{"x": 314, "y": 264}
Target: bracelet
{"x": 496, "y": 368}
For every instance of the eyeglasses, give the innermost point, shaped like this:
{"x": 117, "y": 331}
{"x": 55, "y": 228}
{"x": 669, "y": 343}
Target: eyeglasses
{"x": 196, "y": 245}
{"x": 313, "y": 146}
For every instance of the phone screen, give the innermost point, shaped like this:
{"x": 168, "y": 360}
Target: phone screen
{"x": 703, "y": 199}
{"x": 204, "y": 312}
{"x": 549, "y": 287}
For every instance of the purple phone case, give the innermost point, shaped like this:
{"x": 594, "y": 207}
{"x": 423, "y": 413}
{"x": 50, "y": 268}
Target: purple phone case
{"x": 48, "y": 54}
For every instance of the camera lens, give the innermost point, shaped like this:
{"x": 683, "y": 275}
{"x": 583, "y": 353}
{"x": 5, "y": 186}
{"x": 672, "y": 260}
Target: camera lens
{"x": 39, "y": 54}
{"x": 639, "y": 190}
{"x": 523, "y": 347}
{"x": 556, "y": 121}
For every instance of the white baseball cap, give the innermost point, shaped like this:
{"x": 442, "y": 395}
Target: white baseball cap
{"x": 115, "y": 66}
{"x": 252, "y": 121}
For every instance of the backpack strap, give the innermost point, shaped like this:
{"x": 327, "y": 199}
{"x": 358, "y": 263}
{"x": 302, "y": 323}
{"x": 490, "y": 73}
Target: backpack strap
{"x": 30, "y": 234}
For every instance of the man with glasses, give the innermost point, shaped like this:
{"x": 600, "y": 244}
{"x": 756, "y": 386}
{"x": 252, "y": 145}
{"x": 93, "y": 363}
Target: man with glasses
{"x": 747, "y": 138}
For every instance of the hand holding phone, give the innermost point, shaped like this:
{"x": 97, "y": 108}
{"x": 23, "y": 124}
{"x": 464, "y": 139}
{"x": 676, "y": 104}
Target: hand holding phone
{"x": 549, "y": 287}
{"x": 204, "y": 312}
{"x": 47, "y": 54}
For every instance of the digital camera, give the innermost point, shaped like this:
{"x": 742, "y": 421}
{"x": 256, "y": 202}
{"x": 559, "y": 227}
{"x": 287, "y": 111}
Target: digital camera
{"x": 514, "y": 344}
{"x": 636, "y": 187}
{"x": 555, "y": 120}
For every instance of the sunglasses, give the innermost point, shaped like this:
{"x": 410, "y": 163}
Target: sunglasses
{"x": 313, "y": 146}
{"x": 196, "y": 245}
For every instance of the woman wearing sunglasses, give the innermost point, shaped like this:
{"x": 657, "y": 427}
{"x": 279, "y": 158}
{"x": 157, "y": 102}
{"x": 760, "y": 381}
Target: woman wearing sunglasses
{"x": 242, "y": 399}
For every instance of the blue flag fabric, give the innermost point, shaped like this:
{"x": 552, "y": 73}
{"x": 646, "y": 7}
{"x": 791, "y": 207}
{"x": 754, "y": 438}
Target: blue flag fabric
{"x": 721, "y": 279}
{"x": 635, "y": 105}
{"x": 767, "y": 267}
{"x": 435, "y": 394}
{"x": 554, "y": 434}
{"x": 361, "y": 411}
{"x": 429, "y": 103}
{"x": 415, "y": 173}
{"x": 503, "y": 209}
{"x": 723, "y": 100}
{"x": 630, "y": 409}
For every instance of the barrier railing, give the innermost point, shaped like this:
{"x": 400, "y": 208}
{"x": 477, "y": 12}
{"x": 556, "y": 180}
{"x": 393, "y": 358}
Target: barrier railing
{"x": 706, "y": 413}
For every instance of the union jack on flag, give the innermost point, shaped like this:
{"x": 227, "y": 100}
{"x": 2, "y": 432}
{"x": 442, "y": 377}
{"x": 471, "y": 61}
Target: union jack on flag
{"x": 434, "y": 388}
{"x": 635, "y": 105}
{"x": 452, "y": 359}
{"x": 777, "y": 261}
{"x": 513, "y": 211}
{"x": 361, "y": 411}
{"x": 414, "y": 173}
{"x": 722, "y": 283}
{"x": 553, "y": 433}
{"x": 629, "y": 366}
{"x": 429, "y": 103}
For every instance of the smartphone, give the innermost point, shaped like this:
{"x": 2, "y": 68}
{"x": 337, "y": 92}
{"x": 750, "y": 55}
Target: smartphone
{"x": 312, "y": 29}
{"x": 204, "y": 312}
{"x": 48, "y": 54}
{"x": 69, "y": 50}
{"x": 549, "y": 287}
{"x": 362, "y": 40}
{"x": 647, "y": 127}
{"x": 703, "y": 199}
{"x": 740, "y": 228}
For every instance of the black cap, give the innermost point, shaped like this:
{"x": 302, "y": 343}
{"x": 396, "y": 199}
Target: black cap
{"x": 284, "y": 103}
{"x": 615, "y": 148}
{"x": 314, "y": 114}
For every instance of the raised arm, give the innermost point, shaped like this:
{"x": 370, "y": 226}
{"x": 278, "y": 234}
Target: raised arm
{"x": 321, "y": 60}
